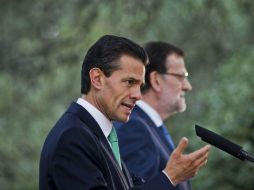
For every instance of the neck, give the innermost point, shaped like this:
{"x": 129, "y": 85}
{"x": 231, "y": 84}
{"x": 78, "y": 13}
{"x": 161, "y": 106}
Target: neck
{"x": 94, "y": 101}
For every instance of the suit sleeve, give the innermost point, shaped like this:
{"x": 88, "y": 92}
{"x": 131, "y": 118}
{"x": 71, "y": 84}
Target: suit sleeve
{"x": 160, "y": 182}
{"x": 75, "y": 163}
{"x": 139, "y": 154}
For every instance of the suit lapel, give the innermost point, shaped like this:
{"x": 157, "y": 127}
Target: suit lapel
{"x": 164, "y": 140}
{"x": 151, "y": 126}
{"x": 95, "y": 129}
{"x": 124, "y": 179}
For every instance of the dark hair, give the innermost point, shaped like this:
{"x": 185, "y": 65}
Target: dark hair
{"x": 157, "y": 53}
{"x": 105, "y": 55}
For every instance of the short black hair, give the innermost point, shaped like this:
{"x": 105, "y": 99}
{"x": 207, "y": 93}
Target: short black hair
{"x": 105, "y": 53}
{"x": 157, "y": 53}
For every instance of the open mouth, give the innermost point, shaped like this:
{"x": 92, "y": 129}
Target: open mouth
{"x": 128, "y": 106}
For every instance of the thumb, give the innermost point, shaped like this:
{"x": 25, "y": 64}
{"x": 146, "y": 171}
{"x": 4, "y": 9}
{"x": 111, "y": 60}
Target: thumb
{"x": 181, "y": 145}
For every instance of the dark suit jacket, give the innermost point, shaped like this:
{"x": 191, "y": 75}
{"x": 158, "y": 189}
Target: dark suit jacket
{"x": 76, "y": 155}
{"x": 143, "y": 148}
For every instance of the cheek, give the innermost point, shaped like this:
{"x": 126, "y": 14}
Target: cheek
{"x": 169, "y": 93}
{"x": 118, "y": 94}
{"x": 125, "y": 93}
{"x": 116, "y": 99}
{"x": 176, "y": 90}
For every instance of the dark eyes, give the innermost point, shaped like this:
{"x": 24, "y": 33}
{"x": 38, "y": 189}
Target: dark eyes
{"x": 131, "y": 82}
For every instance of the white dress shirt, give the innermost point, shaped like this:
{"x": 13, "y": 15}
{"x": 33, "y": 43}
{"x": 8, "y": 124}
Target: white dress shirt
{"x": 151, "y": 112}
{"x": 104, "y": 123}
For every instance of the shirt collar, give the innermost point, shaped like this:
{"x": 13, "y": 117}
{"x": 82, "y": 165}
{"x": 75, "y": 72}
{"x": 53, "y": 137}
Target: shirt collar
{"x": 104, "y": 123}
{"x": 151, "y": 112}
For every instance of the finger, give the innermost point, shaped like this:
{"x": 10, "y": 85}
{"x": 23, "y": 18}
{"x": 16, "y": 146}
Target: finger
{"x": 182, "y": 145}
{"x": 200, "y": 162}
{"x": 204, "y": 162}
{"x": 200, "y": 152}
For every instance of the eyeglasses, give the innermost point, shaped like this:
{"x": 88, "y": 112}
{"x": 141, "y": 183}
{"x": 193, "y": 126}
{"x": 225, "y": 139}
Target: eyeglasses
{"x": 181, "y": 77}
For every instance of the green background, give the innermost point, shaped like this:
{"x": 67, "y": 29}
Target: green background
{"x": 43, "y": 43}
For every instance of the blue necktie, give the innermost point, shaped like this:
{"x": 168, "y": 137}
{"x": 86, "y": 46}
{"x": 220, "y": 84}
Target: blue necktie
{"x": 167, "y": 136}
{"x": 114, "y": 145}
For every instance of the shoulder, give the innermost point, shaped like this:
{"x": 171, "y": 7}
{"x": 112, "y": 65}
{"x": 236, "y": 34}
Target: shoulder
{"x": 134, "y": 124}
{"x": 75, "y": 140}
{"x": 71, "y": 132}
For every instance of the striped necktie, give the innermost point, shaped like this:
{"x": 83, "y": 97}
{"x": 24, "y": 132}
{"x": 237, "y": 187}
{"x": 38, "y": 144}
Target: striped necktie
{"x": 114, "y": 145}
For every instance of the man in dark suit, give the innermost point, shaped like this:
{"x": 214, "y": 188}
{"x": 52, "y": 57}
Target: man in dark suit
{"x": 81, "y": 150}
{"x": 145, "y": 143}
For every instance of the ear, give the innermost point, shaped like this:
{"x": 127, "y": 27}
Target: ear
{"x": 96, "y": 78}
{"x": 155, "y": 81}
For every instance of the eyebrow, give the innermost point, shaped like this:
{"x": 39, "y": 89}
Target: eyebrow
{"x": 135, "y": 80}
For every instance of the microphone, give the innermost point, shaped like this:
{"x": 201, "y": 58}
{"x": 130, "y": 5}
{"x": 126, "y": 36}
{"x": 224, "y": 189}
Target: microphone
{"x": 222, "y": 143}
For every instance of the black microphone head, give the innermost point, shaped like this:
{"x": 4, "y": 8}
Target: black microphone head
{"x": 219, "y": 142}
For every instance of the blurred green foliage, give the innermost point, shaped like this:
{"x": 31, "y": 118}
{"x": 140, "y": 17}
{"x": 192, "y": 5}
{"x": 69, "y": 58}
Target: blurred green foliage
{"x": 42, "y": 44}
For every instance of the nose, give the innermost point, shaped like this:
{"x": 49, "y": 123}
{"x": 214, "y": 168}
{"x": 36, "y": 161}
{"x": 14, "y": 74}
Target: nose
{"x": 187, "y": 85}
{"x": 136, "y": 93}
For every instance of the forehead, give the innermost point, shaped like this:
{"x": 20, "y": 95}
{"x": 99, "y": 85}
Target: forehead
{"x": 131, "y": 65}
{"x": 175, "y": 62}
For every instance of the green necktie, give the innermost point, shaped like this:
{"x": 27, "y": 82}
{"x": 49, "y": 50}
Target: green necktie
{"x": 114, "y": 145}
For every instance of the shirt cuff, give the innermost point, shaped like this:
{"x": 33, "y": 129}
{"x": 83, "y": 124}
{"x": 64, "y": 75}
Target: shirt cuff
{"x": 168, "y": 178}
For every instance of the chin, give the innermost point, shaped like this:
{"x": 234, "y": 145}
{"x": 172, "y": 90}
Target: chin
{"x": 181, "y": 106}
{"x": 182, "y": 109}
{"x": 124, "y": 119}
